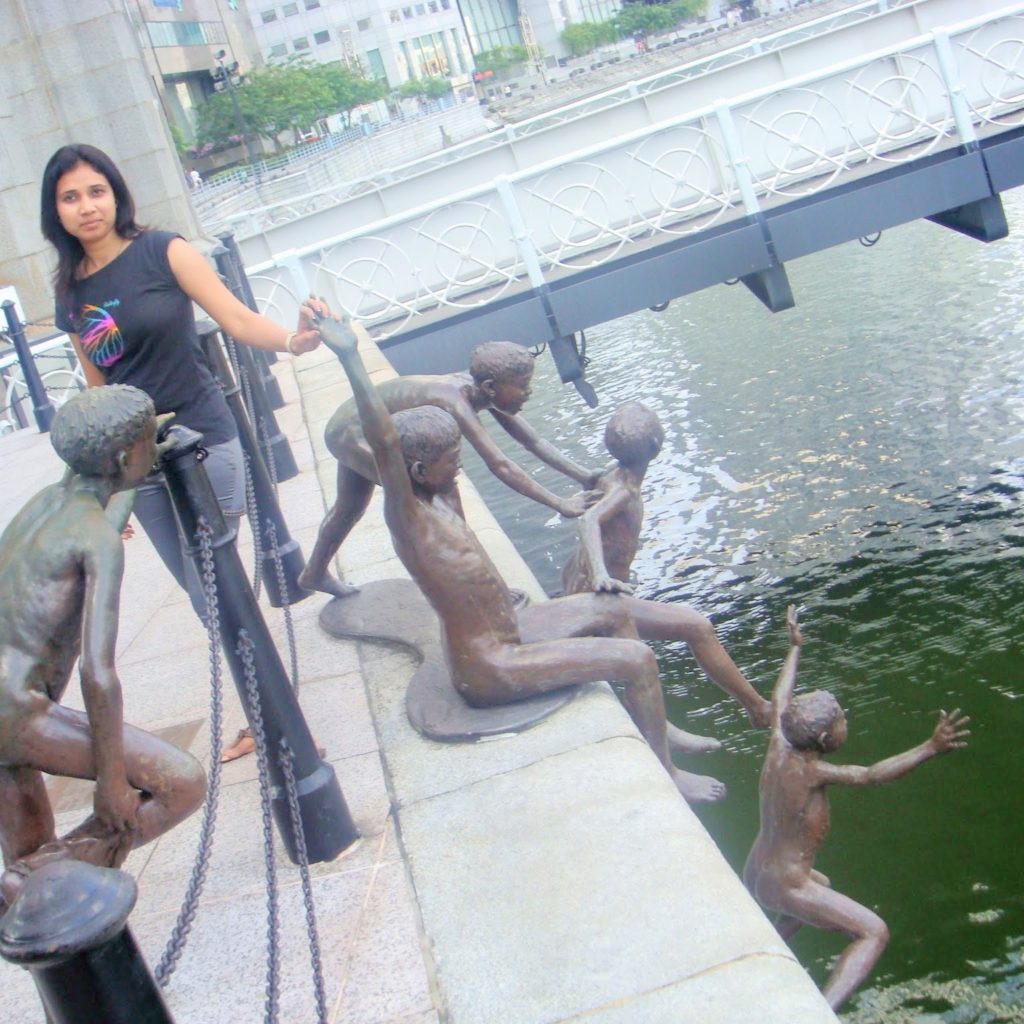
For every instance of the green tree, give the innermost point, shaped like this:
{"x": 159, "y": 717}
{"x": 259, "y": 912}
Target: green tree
{"x": 283, "y": 97}
{"x": 500, "y": 58}
{"x": 585, "y": 36}
{"x": 430, "y": 88}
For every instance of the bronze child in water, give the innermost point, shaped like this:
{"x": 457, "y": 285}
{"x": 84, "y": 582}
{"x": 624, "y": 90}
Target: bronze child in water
{"x": 61, "y": 563}
{"x": 795, "y": 818}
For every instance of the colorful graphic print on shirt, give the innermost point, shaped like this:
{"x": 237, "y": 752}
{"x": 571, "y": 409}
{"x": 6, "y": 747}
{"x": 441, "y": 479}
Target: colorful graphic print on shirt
{"x": 100, "y": 336}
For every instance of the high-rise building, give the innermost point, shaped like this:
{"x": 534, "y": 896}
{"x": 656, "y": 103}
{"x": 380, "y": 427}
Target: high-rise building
{"x": 394, "y": 41}
{"x": 178, "y": 40}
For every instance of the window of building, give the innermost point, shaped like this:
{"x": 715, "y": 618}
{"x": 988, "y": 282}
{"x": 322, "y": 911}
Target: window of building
{"x": 321, "y": 37}
{"x": 185, "y": 33}
{"x": 406, "y": 12}
{"x": 432, "y": 6}
{"x": 395, "y": 14}
{"x": 278, "y": 50}
{"x": 421, "y": 9}
{"x": 445, "y": 5}
{"x": 375, "y": 64}
{"x": 289, "y": 9}
{"x": 302, "y": 43}
{"x": 268, "y": 16}
{"x": 312, "y": 5}
{"x": 363, "y": 24}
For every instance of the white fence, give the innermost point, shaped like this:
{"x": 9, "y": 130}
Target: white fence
{"x": 676, "y": 178}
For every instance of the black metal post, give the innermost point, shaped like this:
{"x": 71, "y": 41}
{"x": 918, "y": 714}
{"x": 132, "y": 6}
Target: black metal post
{"x": 276, "y": 450}
{"x": 68, "y": 927}
{"x": 239, "y": 285}
{"x": 268, "y": 508}
{"x": 229, "y": 243}
{"x": 42, "y": 407}
{"x": 326, "y": 823}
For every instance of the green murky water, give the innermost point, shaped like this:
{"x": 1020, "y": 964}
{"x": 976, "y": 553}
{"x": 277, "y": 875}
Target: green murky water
{"x": 862, "y": 456}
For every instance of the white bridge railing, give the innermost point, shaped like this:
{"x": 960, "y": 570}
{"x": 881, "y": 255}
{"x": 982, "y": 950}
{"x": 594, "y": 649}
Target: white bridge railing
{"x": 676, "y": 178}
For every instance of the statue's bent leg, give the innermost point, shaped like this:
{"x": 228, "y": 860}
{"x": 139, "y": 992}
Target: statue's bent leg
{"x": 354, "y": 493}
{"x": 821, "y": 907}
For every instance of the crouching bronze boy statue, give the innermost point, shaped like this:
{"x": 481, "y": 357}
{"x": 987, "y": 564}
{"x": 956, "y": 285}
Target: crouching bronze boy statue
{"x": 61, "y": 563}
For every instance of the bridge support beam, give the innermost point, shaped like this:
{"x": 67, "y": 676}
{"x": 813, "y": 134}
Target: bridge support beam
{"x": 771, "y": 286}
{"x": 983, "y": 219}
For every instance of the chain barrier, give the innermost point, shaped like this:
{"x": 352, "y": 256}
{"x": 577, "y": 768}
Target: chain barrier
{"x": 186, "y": 916}
{"x": 259, "y": 736}
{"x": 288, "y": 768}
{"x": 251, "y": 508}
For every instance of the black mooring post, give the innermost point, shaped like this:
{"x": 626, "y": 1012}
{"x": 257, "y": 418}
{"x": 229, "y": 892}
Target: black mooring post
{"x": 326, "y": 823}
{"x": 231, "y": 269}
{"x": 42, "y": 407}
{"x": 267, "y": 506}
{"x": 68, "y": 927}
{"x": 229, "y": 243}
{"x": 274, "y": 444}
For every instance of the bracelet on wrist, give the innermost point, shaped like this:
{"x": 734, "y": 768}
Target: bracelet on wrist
{"x": 288, "y": 343}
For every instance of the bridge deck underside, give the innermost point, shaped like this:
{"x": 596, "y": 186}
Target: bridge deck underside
{"x": 655, "y": 270}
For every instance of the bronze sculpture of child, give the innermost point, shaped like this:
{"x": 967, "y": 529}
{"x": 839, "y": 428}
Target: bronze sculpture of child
{"x": 498, "y": 381}
{"x": 61, "y": 564}
{"x": 780, "y": 870}
{"x": 609, "y": 535}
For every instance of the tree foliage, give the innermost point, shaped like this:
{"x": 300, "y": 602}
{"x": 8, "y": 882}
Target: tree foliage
{"x": 650, "y": 19}
{"x": 633, "y": 20}
{"x": 286, "y": 96}
{"x": 585, "y": 36}
{"x": 500, "y": 58}
{"x": 430, "y": 88}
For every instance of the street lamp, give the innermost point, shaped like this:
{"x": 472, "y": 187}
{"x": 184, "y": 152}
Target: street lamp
{"x": 226, "y": 76}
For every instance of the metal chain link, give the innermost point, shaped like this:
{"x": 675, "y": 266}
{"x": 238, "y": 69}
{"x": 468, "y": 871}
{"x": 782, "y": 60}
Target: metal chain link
{"x": 286, "y": 760}
{"x": 251, "y": 508}
{"x": 286, "y": 607}
{"x": 186, "y": 916}
{"x": 245, "y": 649}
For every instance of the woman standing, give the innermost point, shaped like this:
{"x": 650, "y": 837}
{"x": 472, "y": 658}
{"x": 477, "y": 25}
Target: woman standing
{"x": 124, "y": 295}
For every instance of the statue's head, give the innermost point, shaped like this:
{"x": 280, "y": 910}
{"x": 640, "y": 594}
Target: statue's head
{"x": 107, "y": 432}
{"x": 634, "y": 434}
{"x": 502, "y": 370}
{"x": 814, "y": 721}
{"x": 430, "y": 440}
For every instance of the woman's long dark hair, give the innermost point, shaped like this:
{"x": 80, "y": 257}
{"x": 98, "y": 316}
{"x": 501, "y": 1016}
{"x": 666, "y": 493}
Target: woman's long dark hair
{"x": 69, "y": 250}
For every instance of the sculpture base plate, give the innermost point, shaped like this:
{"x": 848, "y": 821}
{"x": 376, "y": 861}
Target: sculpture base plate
{"x": 395, "y": 611}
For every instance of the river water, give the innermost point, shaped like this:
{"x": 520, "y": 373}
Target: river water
{"x": 861, "y": 456}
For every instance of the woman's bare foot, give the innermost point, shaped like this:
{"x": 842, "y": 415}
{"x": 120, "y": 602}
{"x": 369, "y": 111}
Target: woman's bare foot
{"x": 698, "y": 789}
{"x": 683, "y": 742}
{"x": 326, "y": 584}
{"x": 245, "y": 744}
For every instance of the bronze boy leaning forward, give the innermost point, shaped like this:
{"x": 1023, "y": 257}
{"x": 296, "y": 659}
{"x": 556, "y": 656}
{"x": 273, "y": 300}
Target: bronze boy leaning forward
{"x": 498, "y": 381}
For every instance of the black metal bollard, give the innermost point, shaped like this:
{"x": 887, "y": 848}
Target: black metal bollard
{"x": 68, "y": 927}
{"x": 288, "y": 550}
{"x": 231, "y": 269}
{"x": 274, "y": 444}
{"x": 326, "y": 823}
{"x": 229, "y": 243}
{"x": 42, "y": 407}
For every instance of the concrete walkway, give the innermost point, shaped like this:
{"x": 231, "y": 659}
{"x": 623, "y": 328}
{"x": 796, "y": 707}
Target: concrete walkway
{"x": 554, "y": 876}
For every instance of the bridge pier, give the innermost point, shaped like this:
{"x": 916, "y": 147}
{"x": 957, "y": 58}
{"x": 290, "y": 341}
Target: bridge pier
{"x": 983, "y": 219}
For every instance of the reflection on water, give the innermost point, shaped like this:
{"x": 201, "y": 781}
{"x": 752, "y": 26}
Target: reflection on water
{"x": 862, "y": 456}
